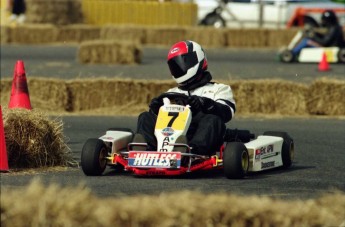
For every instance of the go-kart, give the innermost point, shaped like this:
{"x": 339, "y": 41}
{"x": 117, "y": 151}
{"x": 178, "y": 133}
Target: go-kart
{"x": 239, "y": 154}
{"x": 334, "y": 54}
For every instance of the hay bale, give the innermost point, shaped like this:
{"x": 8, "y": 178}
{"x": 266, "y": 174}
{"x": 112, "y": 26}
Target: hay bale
{"x": 244, "y": 37}
{"x": 78, "y": 33}
{"x": 46, "y": 94}
{"x": 58, "y": 12}
{"x": 326, "y": 97}
{"x": 207, "y": 37}
{"x": 61, "y": 206}
{"x": 5, "y": 90}
{"x": 109, "y": 52}
{"x": 269, "y": 97}
{"x": 33, "y": 33}
{"x": 5, "y": 34}
{"x": 165, "y": 35}
{"x": 130, "y": 33}
{"x": 33, "y": 140}
{"x": 280, "y": 37}
{"x": 49, "y": 94}
{"x": 119, "y": 94}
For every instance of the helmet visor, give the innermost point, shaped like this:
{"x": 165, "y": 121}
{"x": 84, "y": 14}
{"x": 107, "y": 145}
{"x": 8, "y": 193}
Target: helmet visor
{"x": 179, "y": 65}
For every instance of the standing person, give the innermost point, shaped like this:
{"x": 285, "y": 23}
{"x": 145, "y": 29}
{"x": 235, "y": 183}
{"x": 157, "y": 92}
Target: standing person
{"x": 18, "y": 9}
{"x": 332, "y": 37}
{"x": 212, "y": 104}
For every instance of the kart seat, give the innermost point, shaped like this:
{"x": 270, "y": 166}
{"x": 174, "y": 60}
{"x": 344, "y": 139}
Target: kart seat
{"x": 236, "y": 135}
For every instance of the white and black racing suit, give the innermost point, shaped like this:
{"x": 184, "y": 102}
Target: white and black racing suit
{"x": 207, "y": 129}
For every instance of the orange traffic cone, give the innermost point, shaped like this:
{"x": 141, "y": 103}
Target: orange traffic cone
{"x": 20, "y": 92}
{"x": 323, "y": 65}
{"x": 3, "y": 151}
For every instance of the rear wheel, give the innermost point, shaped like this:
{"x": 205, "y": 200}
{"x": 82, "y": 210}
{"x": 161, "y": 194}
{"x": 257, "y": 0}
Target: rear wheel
{"x": 235, "y": 160}
{"x": 341, "y": 55}
{"x": 213, "y": 19}
{"x": 288, "y": 148}
{"x": 93, "y": 157}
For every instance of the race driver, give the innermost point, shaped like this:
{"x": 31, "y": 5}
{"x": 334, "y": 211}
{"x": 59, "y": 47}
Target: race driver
{"x": 212, "y": 104}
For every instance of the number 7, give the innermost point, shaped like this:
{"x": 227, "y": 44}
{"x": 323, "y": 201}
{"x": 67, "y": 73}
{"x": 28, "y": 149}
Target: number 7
{"x": 174, "y": 116}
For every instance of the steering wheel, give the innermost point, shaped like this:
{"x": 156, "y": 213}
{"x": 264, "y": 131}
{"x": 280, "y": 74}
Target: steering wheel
{"x": 174, "y": 97}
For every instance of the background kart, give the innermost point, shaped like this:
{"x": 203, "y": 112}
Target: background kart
{"x": 334, "y": 54}
{"x": 240, "y": 153}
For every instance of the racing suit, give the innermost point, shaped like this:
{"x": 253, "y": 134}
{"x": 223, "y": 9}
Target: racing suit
{"x": 207, "y": 128}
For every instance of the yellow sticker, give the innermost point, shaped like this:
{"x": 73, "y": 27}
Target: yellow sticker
{"x": 329, "y": 55}
{"x": 175, "y": 120}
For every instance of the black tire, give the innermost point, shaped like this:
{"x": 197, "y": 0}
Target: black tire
{"x": 286, "y": 56}
{"x": 93, "y": 157}
{"x": 213, "y": 19}
{"x": 288, "y": 149}
{"x": 341, "y": 55}
{"x": 235, "y": 160}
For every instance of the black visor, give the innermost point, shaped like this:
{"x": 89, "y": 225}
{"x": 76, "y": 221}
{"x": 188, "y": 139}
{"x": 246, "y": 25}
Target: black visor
{"x": 179, "y": 65}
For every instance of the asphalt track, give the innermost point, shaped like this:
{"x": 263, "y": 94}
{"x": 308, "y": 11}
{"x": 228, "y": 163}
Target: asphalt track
{"x": 319, "y": 165}
{"x": 60, "y": 61}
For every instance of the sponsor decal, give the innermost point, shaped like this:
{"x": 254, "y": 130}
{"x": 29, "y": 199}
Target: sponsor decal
{"x": 154, "y": 159}
{"x": 176, "y": 49}
{"x": 168, "y": 131}
{"x": 174, "y": 108}
{"x": 165, "y": 143}
{"x": 265, "y": 165}
{"x": 264, "y": 152}
{"x": 257, "y": 154}
{"x": 107, "y": 138}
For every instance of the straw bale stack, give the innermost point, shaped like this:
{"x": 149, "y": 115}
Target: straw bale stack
{"x": 34, "y": 33}
{"x": 165, "y": 35}
{"x": 33, "y": 140}
{"x": 326, "y": 97}
{"x": 135, "y": 34}
{"x": 280, "y": 37}
{"x": 78, "y": 33}
{"x": 269, "y": 97}
{"x": 5, "y": 90}
{"x": 207, "y": 37}
{"x": 246, "y": 37}
{"x": 45, "y": 94}
{"x": 58, "y": 12}
{"x": 55, "y": 205}
{"x": 49, "y": 94}
{"x": 5, "y": 34}
{"x": 109, "y": 52}
{"x": 120, "y": 93}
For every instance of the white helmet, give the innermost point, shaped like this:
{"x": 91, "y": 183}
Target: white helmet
{"x": 187, "y": 62}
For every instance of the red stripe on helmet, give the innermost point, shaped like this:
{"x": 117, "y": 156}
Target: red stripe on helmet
{"x": 177, "y": 49}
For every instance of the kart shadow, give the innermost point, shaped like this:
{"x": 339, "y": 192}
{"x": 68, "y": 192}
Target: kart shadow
{"x": 213, "y": 174}
{"x": 277, "y": 171}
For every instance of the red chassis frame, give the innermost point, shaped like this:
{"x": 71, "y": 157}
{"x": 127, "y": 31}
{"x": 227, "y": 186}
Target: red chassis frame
{"x": 205, "y": 164}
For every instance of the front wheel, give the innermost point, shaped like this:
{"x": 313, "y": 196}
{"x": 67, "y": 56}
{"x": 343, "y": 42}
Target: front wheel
{"x": 288, "y": 148}
{"x": 235, "y": 160}
{"x": 93, "y": 157}
{"x": 286, "y": 56}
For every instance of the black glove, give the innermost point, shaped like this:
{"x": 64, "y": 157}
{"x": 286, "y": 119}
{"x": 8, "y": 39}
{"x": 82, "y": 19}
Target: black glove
{"x": 198, "y": 103}
{"x": 155, "y": 104}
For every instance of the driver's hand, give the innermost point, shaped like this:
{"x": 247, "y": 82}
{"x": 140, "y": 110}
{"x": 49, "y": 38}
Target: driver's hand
{"x": 309, "y": 32}
{"x": 155, "y": 104}
{"x": 196, "y": 103}
{"x": 203, "y": 104}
